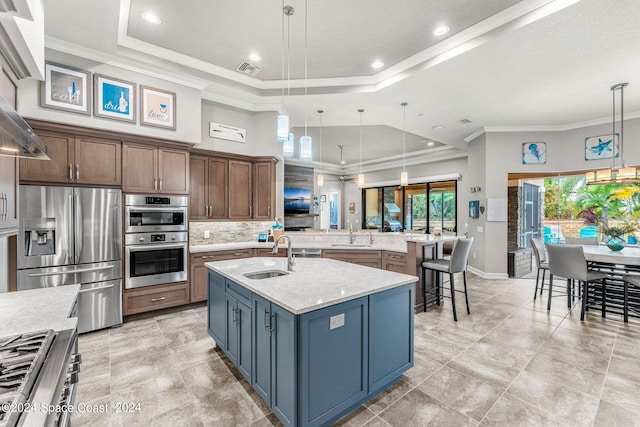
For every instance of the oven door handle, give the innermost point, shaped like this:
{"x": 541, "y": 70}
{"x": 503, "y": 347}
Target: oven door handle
{"x": 78, "y": 270}
{"x": 139, "y": 248}
{"x": 176, "y": 209}
{"x": 97, "y": 288}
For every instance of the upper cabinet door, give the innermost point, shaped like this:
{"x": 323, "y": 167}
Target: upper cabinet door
{"x": 218, "y": 188}
{"x": 98, "y": 162}
{"x": 61, "y": 167}
{"x": 140, "y": 168}
{"x": 263, "y": 190}
{"x": 240, "y": 189}
{"x": 174, "y": 171}
{"x": 198, "y": 188}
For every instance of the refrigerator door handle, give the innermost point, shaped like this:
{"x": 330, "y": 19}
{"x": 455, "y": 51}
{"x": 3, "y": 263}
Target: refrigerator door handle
{"x": 97, "y": 288}
{"x": 78, "y": 270}
{"x": 70, "y": 233}
{"x": 78, "y": 228}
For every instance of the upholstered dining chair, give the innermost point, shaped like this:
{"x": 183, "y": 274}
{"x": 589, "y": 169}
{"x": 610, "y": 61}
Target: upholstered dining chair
{"x": 581, "y": 241}
{"x": 457, "y": 263}
{"x": 568, "y": 261}
{"x": 541, "y": 262}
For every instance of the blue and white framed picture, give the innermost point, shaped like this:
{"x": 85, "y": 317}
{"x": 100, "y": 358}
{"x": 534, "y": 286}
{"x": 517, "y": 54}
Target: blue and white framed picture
{"x": 534, "y": 153}
{"x": 114, "y": 98}
{"x": 601, "y": 147}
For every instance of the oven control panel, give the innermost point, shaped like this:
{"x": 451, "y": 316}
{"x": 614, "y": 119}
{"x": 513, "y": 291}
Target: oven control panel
{"x": 155, "y": 238}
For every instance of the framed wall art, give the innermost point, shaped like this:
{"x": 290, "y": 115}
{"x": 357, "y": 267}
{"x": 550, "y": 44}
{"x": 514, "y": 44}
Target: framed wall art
{"x": 157, "y": 107}
{"x": 601, "y": 147}
{"x": 66, "y": 88}
{"x": 114, "y": 98}
{"x": 474, "y": 209}
{"x": 534, "y": 153}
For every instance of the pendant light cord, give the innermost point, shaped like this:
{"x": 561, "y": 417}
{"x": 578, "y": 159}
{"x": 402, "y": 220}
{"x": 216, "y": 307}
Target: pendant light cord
{"x": 282, "y": 54}
{"x": 404, "y": 136}
{"x": 306, "y": 14}
{"x": 613, "y": 132}
{"x": 361, "y": 111}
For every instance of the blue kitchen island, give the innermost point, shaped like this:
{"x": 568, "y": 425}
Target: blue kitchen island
{"x": 317, "y": 342}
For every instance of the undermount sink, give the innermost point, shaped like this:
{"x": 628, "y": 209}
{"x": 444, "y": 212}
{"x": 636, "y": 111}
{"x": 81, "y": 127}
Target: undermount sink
{"x": 266, "y": 274}
{"x": 351, "y": 245}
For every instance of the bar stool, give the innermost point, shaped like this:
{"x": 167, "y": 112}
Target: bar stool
{"x": 541, "y": 261}
{"x": 568, "y": 261}
{"x": 456, "y": 264}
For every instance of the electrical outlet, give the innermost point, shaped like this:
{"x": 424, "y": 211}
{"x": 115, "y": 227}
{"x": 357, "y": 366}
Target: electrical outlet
{"x": 474, "y": 255}
{"x": 207, "y": 234}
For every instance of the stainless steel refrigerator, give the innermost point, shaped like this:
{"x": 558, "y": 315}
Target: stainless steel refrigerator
{"x": 73, "y": 235}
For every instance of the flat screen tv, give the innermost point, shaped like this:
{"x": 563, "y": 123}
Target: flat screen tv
{"x": 297, "y": 201}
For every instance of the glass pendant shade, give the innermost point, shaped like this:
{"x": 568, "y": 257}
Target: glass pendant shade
{"x": 360, "y": 180}
{"x": 320, "y": 180}
{"x": 306, "y": 149}
{"x": 283, "y": 127}
{"x": 288, "y": 147}
{"x": 404, "y": 178}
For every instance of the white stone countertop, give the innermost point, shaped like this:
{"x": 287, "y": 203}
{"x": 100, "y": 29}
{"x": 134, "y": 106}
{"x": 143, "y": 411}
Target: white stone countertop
{"x": 36, "y": 309}
{"x": 331, "y": 241}
{"x": 316, "y": 283}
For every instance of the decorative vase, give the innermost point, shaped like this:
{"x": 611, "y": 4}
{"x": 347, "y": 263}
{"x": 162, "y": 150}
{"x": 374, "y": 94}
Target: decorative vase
{"x": 615, "y": 243}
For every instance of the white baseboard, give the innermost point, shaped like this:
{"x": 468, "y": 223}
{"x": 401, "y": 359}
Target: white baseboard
{"x": 489, "y": 276}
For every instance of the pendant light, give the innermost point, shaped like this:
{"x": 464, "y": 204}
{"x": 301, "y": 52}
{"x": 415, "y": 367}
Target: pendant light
{"x": 288, "y": 147}
{"x": 360, "y": 180}
{"x": 306, "y": 142}
{"x": 616, "y": 174}
{"x": 404, "y": 176}
{"x": 320, "y": 179}
{"x": 282, "y": 132}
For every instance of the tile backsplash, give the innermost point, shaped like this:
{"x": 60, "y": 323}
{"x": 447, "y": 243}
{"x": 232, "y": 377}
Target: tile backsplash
{"x": 227, "y": 232}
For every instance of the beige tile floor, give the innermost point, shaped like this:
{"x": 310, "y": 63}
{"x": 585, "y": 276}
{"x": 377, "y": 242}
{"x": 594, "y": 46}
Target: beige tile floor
{"x": 508, "y": 364}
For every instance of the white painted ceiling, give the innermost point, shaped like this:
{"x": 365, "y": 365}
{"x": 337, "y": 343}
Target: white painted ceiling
{"x": 531, "y": 63}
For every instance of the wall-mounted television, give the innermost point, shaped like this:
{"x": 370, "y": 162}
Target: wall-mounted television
{"x": 297, "y": 200}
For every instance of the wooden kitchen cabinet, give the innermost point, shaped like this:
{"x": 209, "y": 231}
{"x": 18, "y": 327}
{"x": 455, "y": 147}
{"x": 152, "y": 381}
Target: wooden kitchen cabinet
{"x": 361, "y": 257}
{"x": 155, "y": 297}
{"x": 75, "y": 160}
{"x": 395, "y": 261}
{"x": 264, "y": 189}
{"x": 149, "y": 169}
{"x": 199, "y": 273}
{"x": 8, "y": 200}
{"x": 240, "y": 190}
{"x": 208, "y": 188}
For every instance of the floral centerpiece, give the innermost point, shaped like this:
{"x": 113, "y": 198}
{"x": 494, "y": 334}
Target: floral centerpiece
{"x": 615, "y": 240}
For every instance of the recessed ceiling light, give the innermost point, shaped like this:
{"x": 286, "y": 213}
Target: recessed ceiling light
{"x": 436, "y": 127}
{"x": 441, "y": 30}
{"x": 342, "y": 162}
{"x": 151, "y": 18}
{"x": 430, "y": 144}
{"x": 255, "y": 57}
{"x": 377, "y": 64}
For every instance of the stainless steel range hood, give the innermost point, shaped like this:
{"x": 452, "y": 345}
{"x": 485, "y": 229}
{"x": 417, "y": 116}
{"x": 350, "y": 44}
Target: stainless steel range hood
{"x": 17, "y": 139}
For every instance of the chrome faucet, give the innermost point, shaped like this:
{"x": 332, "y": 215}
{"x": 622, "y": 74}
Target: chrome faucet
{"x": 370, "y": 238}
{"x": 352, "y": 238}
{"x": 291, "y": 260}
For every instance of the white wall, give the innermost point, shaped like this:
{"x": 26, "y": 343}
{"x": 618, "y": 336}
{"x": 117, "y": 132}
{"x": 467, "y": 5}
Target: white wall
{"x": 188, "y": 103}
{"x": 477, "y": 227}
{"x": 565, "y": 152}
{"x": 261, "y": 141}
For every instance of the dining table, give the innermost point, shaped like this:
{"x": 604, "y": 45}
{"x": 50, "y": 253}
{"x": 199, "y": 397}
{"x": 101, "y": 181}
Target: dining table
{"x": 615, "y": 263}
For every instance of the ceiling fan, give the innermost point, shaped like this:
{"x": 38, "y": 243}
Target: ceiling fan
{"x": 342, "y": 177}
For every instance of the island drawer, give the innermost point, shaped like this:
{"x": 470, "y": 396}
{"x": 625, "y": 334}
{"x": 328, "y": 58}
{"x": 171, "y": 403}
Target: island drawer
{"x": 240, "y": 292}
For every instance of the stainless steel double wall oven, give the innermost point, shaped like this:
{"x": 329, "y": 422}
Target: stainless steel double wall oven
{"x": 156, "y": 247}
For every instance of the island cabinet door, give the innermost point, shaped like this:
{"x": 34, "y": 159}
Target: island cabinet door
{"x": 262, "y": 347}
{"x": 274, "y": 358}
{"x": 217, "y": 309}
{"x": 390, "y": 335}
{"x": 333, "y": 361}
{"x": 239, "y": 335}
